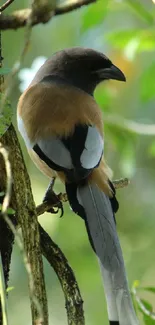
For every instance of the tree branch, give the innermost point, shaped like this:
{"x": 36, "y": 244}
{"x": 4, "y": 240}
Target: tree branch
{"x": 121, "y": 183}
{"x": 19, "y": 18}
{"x": 45, "y": 206}
{"x": 22, "y": 202}
{"x": 73, "y": 300}
{"x": 18, "y": 238}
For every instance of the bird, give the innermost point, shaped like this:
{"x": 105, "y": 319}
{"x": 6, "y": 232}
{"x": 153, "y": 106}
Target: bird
{"x": 62, "y": 126}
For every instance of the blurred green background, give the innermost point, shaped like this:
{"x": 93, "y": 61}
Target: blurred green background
{"x": 125, "y": 32}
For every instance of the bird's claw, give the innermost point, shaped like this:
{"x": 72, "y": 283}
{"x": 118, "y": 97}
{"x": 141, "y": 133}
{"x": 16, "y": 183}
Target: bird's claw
{"x": 54, "y": 200}
{"x": 58, "y": 206}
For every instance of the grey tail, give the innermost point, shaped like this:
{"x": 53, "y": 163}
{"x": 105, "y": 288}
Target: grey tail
{"x": 95, "y": 208}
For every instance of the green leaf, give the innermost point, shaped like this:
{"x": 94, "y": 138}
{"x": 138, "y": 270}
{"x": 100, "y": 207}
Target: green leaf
{"x": 141, "y": 10}
{"x": 4, "y": 71}
{"x": 9, "y": 210}
{"x": 147, "y": 40}
{"x": 151, "y": 289}
{"x": 9, "y": 289}
{"x": 133, "y": 40}
{"x": 2, "y": 194}
{"x": 148, "y": 320}
{"x": 94, "y": 15}
{"x": 5, "y": 116}
{"x": 136, "y": 284}
{"x": 121, "y": 38}
{"x": 147, "y": 305}
{"x": 148, "y": 84}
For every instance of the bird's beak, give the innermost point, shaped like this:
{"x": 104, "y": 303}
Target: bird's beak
{"x": 111, "y": 73}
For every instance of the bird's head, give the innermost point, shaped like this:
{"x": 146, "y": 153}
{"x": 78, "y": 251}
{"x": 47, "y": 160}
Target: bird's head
{"x": 83, "y": 68}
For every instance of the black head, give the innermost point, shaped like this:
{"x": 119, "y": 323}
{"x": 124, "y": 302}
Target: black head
{"x": 84, "y": 68}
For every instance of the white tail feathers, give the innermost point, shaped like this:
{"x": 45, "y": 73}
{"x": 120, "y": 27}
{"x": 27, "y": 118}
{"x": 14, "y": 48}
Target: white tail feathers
{"x": 102, "y": 228}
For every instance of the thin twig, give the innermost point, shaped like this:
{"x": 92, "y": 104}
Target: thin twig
{"x": 147, "y": 312}
{"x": 19, "y": 18}
{"x": 18, "y": 237}
{"x": 5, "y": 5}
{"x": 121, "y": 183}
{"x": 3, "y": 299}
{"x": 7, "y": 197}
{"x": 129, "y": 125}
{"x": 73, "y": 299}
{"x": 5, "y": 206}
{"x": 45, "y": 206}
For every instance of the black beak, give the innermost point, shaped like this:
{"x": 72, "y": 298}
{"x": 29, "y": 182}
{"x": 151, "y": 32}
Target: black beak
{"x": 111, "y": 73}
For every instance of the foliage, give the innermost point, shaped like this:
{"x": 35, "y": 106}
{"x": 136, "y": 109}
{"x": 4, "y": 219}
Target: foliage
{"x": 124, "y": 30}
{"x": 143, "y": 306}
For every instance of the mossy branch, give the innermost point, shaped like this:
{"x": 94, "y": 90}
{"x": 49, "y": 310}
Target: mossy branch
{"x": 22, "y": 202}
{"x": 43, "y": 14}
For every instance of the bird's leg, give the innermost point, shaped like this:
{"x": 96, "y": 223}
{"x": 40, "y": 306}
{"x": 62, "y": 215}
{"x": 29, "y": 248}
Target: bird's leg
{"x": 53, "y": 198}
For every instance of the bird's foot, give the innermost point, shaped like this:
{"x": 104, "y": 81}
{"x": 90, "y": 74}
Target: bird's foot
{"x": 54, "y": 201}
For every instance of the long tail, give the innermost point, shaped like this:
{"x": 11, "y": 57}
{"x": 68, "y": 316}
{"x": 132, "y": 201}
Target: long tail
{"x": 95, "y": 207}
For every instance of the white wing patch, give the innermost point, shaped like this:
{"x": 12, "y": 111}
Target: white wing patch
{"x": 93, "y": 151}
{"x": 52, "y": 147}
{"x": 55, "y": 150}
{"x": 23, "y": 132}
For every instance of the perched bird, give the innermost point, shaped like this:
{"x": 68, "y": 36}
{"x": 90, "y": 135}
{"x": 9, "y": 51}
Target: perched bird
{"x": 62, "y": 126}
